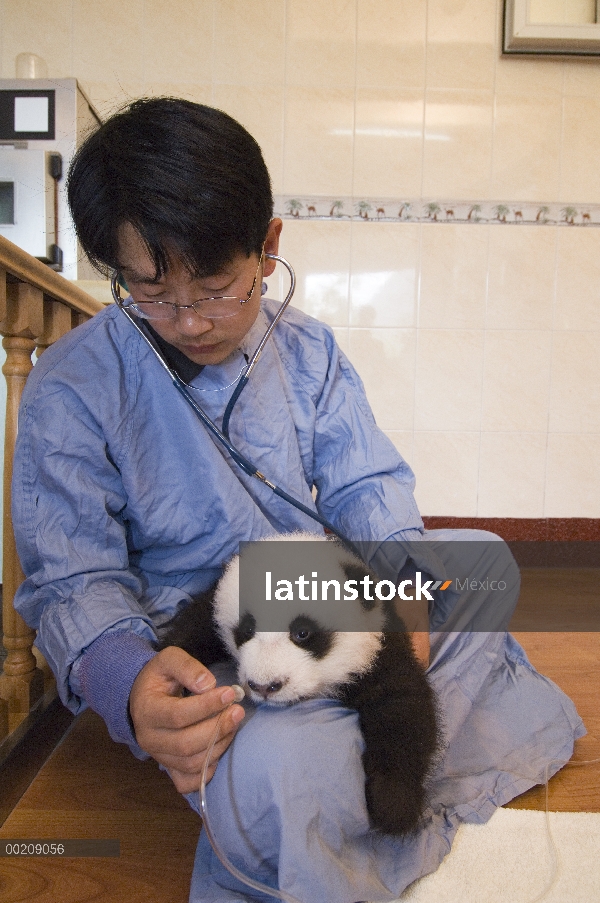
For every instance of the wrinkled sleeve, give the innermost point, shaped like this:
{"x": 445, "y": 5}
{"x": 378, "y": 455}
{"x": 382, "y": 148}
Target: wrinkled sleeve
{"x": 365, "y": 488}
{"x": 71, "y": 534}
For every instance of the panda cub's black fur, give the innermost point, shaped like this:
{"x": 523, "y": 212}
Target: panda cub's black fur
{"x": 375, "y": 672}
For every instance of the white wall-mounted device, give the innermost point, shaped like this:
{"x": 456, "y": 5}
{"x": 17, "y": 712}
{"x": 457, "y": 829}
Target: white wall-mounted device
{"x": 42, "y": 122}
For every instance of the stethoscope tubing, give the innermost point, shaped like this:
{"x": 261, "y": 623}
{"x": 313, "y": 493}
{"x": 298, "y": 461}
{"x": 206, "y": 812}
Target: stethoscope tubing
{"x": 246, "y": 465}
{"x": 222, "y": 436}
{"x": 255, "y": 357}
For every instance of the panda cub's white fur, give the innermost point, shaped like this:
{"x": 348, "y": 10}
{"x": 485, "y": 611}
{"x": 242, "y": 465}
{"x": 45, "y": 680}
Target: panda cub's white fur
{"x": 269, "y": 659}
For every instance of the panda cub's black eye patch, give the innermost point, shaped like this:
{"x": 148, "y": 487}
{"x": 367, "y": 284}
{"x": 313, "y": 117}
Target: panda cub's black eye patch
{"x": 245, "y": 630}
{"x": 305, "y": 633}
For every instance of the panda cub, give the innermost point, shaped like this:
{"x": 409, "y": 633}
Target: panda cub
{"x": 374, "y": 672}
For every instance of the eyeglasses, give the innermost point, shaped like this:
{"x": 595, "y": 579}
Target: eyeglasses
{"x": 217, "y": 308}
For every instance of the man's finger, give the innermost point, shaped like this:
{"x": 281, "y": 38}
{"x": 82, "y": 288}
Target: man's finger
{"x": 194, "y": 764}
{"x": 176, "y": 667}
{"x": 170, "y": 714}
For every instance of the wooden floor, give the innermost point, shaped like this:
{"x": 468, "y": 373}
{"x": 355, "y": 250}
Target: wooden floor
{"x": 93, "y": 788}
{"x": 572, "y": 660}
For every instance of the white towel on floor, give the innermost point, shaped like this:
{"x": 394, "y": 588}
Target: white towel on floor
{"x": 510, "y": 860}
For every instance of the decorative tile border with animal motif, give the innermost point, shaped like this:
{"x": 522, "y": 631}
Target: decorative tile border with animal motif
{"x": 394, "y": 210}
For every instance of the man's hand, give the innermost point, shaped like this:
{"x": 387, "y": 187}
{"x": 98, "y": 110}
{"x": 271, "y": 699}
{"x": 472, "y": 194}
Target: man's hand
{"x": 416, "y": 618}
{"x": 177, "y": 730}
{"x": 420, "y": 644}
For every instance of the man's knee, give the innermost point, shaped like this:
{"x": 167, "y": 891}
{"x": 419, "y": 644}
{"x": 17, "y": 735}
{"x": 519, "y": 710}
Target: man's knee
{"x": 485, "y": 581}
{"x": 308, "y": 737}
{"x": 290, "y": 764}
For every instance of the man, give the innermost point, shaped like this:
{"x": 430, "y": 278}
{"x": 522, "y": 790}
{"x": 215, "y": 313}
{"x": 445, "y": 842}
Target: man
{"x": 125, "y": 507}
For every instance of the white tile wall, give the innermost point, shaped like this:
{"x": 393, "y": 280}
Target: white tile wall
{"x": 521, "y": 277}
{"x": 384, "y": 275}
{"x": 454, "y": 276}
{"x": 478, "y": 344}
{"x": 385, "y": 359}
{"x": 447, "y": 469}
{"x": 512, "y": 474}
{"x": 449, "y": 379}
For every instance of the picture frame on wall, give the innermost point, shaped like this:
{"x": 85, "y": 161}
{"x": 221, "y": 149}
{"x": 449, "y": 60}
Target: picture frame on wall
{"x": 541, "y": 27}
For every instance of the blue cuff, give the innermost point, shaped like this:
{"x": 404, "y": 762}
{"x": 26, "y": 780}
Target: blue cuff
{"x": 105, "y": 673}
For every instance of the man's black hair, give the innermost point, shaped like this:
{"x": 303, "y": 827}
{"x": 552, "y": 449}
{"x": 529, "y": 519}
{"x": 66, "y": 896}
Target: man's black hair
{"x": 190, "y": 179}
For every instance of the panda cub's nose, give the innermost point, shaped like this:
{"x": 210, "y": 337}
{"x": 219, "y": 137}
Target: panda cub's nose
{"x": 266, "y": 690}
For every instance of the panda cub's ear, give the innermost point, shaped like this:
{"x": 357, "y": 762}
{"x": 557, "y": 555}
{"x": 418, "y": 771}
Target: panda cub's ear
{"x": 244, "y": 630}
{"x": 392, "y": 620}
{"x": 194, "y": 630}
{"x": 357, "y": 572}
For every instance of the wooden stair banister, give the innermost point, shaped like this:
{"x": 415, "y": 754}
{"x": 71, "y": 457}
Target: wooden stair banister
{"x": 37, "y": 307}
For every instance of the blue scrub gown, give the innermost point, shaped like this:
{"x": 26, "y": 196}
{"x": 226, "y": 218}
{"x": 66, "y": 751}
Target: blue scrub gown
{"x": 124, "y": 507}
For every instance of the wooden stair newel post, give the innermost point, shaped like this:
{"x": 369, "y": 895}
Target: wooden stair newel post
{"x": 21, "y": 323}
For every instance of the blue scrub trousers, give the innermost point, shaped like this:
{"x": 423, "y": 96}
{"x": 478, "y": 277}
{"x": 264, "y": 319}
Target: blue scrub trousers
{"x": 287, "y": 800}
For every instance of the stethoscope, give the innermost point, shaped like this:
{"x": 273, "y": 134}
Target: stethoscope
{"x": 222, "y": 435}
